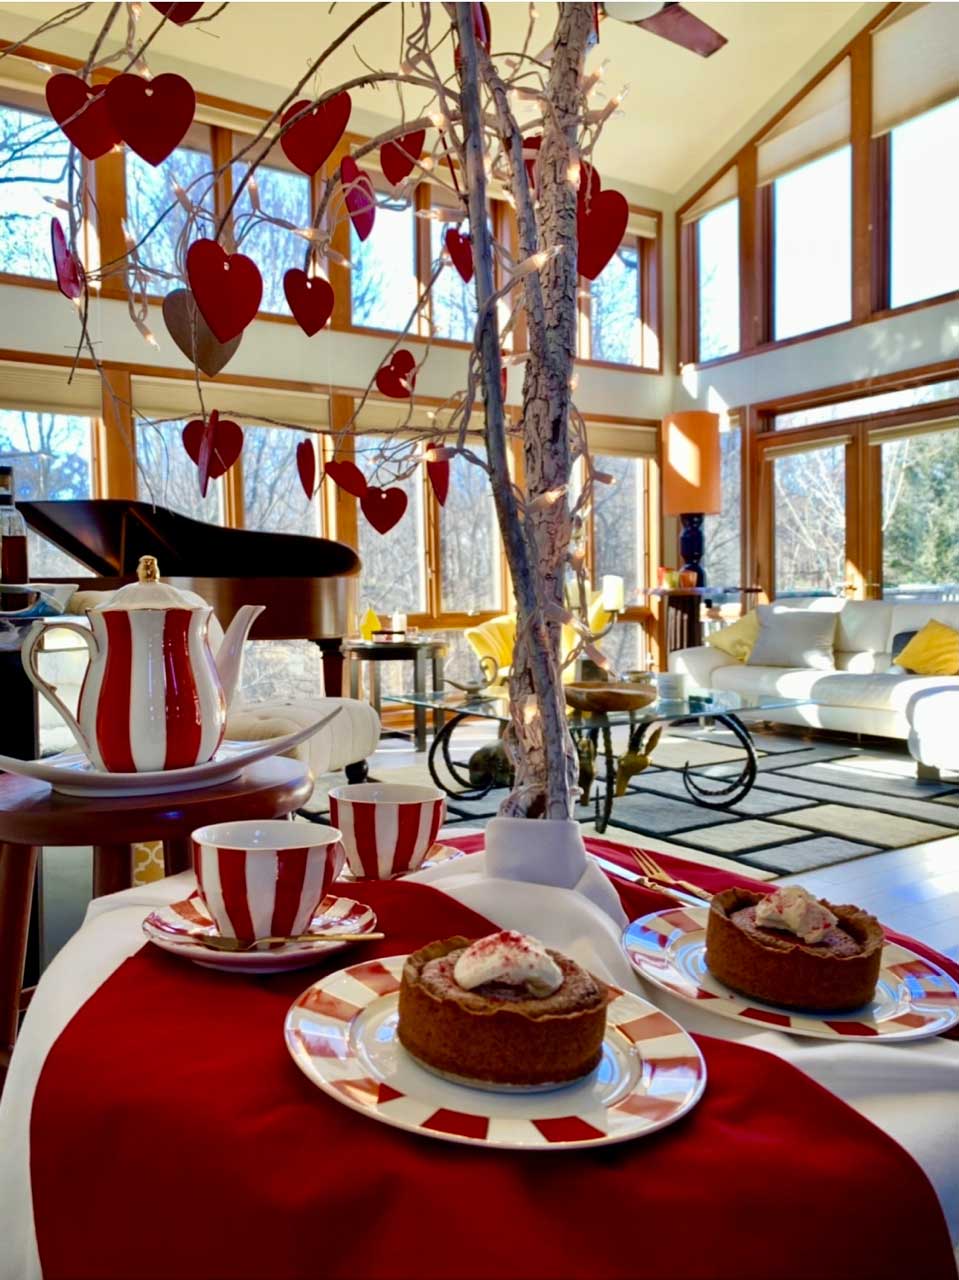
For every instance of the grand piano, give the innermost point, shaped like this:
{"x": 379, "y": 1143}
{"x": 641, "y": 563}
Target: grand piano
{"x": 307, "y": 584}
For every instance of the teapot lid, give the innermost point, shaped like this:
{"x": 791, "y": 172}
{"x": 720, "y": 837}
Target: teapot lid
{"x": 148, "y": 592}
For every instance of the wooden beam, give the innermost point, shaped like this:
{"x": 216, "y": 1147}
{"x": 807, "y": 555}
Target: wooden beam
{"x": 860, "y": 60}
{"x": 751, "y": 256}
{"x": 341, "y": 411}
{"x": 339, "y": 275}
{"x": 115, "y": 472}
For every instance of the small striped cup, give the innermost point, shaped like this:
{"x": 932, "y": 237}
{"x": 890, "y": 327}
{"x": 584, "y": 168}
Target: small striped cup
{"x": 387, "y": 828}
{"x": 265, "y": 879}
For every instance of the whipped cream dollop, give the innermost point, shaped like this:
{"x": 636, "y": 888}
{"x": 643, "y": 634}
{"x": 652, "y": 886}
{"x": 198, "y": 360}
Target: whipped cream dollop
{"x": 513, "y": 958}
{"x": 797, "y": 911}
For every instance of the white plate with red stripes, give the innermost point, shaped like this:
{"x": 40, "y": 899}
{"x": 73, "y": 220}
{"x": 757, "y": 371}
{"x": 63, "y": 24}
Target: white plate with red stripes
{"x": 914, "y": 997}
{"x": 72, "y": 774}
{"x": 173, "y": 927}
{"x": 436, "y": 855}
{"x": 341, "y": 1033}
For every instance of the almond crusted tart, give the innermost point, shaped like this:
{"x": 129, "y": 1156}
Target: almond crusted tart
{"x": 791, "y": 949}
{"x": 502, "y": 1011}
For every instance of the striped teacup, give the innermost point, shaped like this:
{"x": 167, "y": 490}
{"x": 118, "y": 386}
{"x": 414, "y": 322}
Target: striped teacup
{"x": 387, "y": 828}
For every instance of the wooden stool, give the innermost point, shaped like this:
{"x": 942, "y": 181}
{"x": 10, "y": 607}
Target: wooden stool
{"x": 32, "y": 815}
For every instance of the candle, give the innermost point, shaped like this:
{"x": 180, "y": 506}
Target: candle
{"x": 614, "y": 599}
{"x": 398, "y": 622}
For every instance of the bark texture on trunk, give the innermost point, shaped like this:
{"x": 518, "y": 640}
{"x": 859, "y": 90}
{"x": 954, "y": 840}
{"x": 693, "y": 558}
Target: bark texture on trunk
{"x": 536, "y": 538}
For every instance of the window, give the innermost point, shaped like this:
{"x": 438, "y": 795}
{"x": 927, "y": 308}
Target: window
{"x": 924, "y": 198}
{"x": 273, "y": 497}
{"x": 383, "y": 284}
{"x": 717, "y": 281}
{"x": 154, "y": 212}
{"x": 393, "y": 578}
{"x": 33, "y": 156}
{"x": 167, "y": 476}
{"x": 619, "y": 523}
{"x": 469, "y": 541}
{"x": 723, "y": 532}
{"x": 453, "y": 300}
{"x": 615, "y": 309}
{"x": 812, "y": 245}
{"x": 883, "y": 402}
{"x": 283, "y": 194}
{"x": 51, "y": 458}
{"x": 810, "y": 525}
{"x": 920, "y": 515}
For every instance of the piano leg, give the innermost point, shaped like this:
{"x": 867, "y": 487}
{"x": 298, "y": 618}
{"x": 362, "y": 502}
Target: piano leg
{"x": 332, "y": 660}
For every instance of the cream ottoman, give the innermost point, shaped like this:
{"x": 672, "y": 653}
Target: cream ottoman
{"x": 344, "y": 744}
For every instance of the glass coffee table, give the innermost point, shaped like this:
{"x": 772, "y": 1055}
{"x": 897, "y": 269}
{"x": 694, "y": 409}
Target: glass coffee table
{"x": 592, "y": 732}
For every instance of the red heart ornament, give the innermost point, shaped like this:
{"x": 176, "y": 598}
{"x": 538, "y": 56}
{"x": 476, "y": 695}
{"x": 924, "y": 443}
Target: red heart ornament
{"x": 347, "y": 476}
{"x": 213, "y": 445}
{"x": 310, "y": 142}
{"x": 398, "y": 158}
{"x": 600, "y": 231}
{"x": 359, "y": 195}
{"x": 460, "y": 249}
{"x": 92, "y": 131}
{"x": 178, "y": 12}
{"x": 306, "y": 466}
{"x": 69, "y": 271}
{"x": 383, "y": 507}
{"x": 397, "y": 377}
{"x": 310, "y": 299}
{"x": 227, "y": 287}
{"x": 151, "y": 116}
{"x": 438, "y": 474}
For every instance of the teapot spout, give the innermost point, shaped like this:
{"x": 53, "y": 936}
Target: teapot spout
{"x": 229, "y": 656}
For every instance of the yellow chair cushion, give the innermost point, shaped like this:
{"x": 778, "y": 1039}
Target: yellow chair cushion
{"x": 933, "y": 651}
{"x": 737, "y": 639}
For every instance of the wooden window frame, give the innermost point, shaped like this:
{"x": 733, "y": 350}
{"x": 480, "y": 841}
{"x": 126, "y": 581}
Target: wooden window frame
{"x": 869, "y": 285}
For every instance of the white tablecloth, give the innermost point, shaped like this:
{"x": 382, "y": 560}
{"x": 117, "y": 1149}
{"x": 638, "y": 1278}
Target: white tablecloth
{"x": 911, "y": 1090}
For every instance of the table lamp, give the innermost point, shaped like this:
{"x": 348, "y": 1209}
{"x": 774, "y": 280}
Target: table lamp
{"x": 691, "y": 479}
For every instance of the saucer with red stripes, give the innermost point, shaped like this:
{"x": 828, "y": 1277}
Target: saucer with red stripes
{"x": 914, "y": 997}
{"x": 175, "y": 927}
{"x": 341, "y": 1033}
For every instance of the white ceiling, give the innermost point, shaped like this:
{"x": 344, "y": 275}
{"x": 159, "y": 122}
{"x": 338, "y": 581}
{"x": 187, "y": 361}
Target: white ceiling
{"x": 680, "y": 111}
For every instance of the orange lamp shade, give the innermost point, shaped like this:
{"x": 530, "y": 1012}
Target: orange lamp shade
{"x": 691, "y": 463}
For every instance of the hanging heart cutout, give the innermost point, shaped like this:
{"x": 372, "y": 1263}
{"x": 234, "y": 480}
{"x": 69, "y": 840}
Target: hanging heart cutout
{"x": 310, "y": 299}
{"x": 397, "y": 377}
{"x": 92, "y": 131}
{"x": 151, "y": 116}
{"x": 460, "y": 249}
{"x": 306, "y": 466}
{"x": 359, "y": 195}
{"x": 398, "y": 158}
{"x": 438, "y": 474}
{"x": 310, "y": 142}
{"x": 227, "y": 287}
{"x": 66, "y": 265}
{"x": 213, "y": 445}
{"x": 383, "y": 507}
{"x": 347, "y": 476}
{"x": 178, "y": 12}
{"x": 600, "y": 230}
{"x": 194, "y": 337}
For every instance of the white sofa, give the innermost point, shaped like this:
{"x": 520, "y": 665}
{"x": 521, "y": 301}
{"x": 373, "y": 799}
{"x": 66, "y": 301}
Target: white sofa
{"x": 866, "y": 693}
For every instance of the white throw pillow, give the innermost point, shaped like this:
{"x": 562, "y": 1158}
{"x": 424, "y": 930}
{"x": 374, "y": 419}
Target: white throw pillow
{"x": 794, "y": 638}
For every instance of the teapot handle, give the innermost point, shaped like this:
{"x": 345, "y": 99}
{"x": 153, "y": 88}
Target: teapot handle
{"x": 28, "y": 656}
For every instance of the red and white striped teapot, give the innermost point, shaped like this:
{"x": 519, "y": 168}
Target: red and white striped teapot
{"x": 153, "y": 697}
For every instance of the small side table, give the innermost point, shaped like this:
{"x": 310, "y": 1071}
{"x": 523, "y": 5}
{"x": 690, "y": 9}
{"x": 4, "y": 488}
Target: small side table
{"x": 33, "y": 815}
{"x": 416, "y": 651}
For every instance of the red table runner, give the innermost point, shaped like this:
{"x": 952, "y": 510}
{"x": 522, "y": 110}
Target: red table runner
{"x": 172, "y": 1136}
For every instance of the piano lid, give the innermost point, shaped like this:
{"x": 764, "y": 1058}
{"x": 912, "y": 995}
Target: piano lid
{"x": 109, "y": 535}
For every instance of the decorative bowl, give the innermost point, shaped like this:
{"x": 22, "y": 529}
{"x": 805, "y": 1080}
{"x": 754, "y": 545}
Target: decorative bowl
{"x": 603, "y": 695}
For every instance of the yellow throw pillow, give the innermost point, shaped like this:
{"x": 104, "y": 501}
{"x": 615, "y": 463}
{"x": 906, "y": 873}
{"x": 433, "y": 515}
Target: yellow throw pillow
{"x": 738, "y": 639}
{"x": 933, "y": 651}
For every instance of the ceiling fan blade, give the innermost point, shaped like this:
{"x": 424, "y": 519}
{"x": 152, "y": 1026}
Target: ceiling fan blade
{"x": 677, "y": 24}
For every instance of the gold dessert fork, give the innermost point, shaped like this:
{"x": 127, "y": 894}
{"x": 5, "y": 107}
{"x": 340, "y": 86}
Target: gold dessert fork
{"x": 235, "y": 944}
{"x": 653, "y": 871}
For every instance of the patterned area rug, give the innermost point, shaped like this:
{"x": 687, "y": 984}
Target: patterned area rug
{"x": 814, "y": 803}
